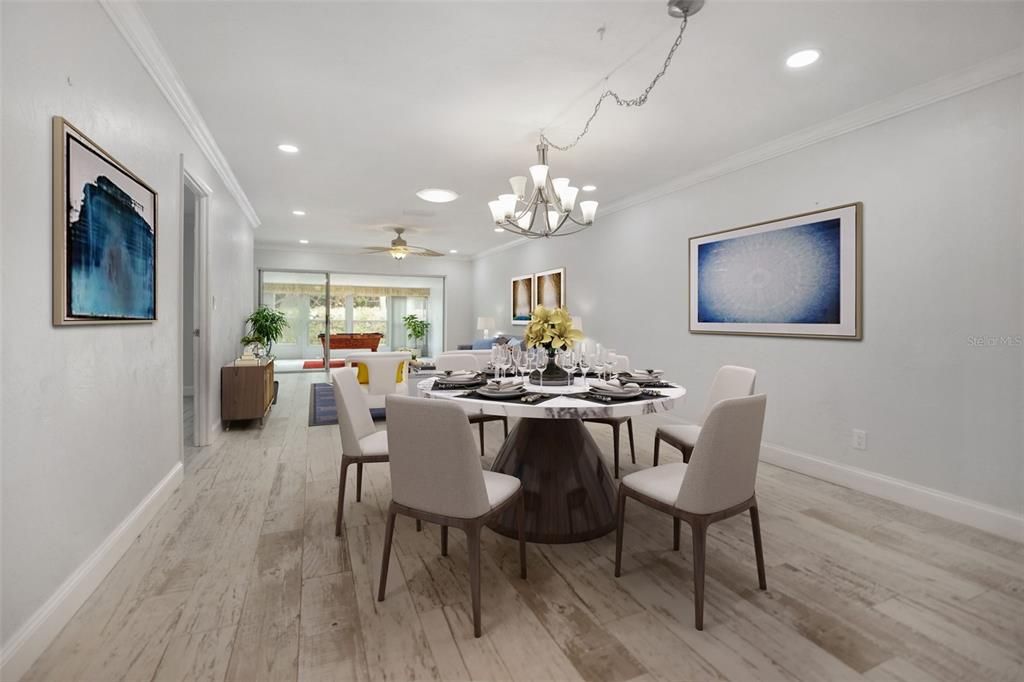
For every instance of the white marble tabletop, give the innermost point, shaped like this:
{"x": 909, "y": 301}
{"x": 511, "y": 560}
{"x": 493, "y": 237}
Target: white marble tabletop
{"x": 562, "y": 407}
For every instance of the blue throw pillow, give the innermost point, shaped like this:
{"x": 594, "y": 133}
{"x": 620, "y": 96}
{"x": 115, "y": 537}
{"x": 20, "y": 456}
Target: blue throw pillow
{"x": 483, "y": 344}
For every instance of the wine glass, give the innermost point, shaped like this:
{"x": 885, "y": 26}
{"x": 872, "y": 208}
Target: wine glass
{"x": 585, "y": 360}
{"x": 504, "y": 360}
{"x": 495, "y": 350}
{"x": 516, "y": 354}
{"x": 522, "y": 360}
{"x": 542, "y": 363}
{"x": 567, "y": 363}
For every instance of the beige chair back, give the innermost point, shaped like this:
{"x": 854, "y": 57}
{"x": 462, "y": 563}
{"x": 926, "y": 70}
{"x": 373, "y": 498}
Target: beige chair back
{"x": 354, "y": 419}
{"x": 723, "y": 466}
{"x": 455, "y": 362}
{"x": 434, "y": 464}
{"x": 730, "y": 381}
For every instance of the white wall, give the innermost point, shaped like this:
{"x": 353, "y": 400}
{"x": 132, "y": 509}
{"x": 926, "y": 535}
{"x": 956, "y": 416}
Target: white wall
{"x": 91, "y": 415}
{"x": 458, "y": 273}
{"x": 943, "y": 243}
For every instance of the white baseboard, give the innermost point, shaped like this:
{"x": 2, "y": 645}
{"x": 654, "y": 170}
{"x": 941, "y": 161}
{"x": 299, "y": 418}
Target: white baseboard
{"x": 1002, "y": 522}
{"x": 960, "y": 509}
{"x": 32, "y": 638}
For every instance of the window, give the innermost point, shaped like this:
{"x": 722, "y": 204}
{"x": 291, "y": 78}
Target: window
{"x": 370, "y": 314}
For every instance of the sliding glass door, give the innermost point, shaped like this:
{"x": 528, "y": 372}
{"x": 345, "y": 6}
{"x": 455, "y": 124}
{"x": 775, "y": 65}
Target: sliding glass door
{"x": 350, "y": 304}
{"x": 302, "y": 297}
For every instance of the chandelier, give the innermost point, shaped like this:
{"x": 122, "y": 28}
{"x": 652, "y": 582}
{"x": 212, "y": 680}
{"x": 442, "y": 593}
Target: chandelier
{"x": 551, "y": 204}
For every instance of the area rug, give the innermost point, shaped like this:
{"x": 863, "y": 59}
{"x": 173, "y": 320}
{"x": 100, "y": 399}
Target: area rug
{"x": 319, "y": 364}
{"x": 323, "y": 411}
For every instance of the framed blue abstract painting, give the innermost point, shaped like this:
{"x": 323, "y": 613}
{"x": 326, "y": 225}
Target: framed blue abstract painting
{"x": 796, "y": 276}
{"x": 104, "y": 235}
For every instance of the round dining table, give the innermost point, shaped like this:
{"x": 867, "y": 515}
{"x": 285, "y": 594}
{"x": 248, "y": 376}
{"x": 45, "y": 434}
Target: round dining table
{"x": 567, "y": 489}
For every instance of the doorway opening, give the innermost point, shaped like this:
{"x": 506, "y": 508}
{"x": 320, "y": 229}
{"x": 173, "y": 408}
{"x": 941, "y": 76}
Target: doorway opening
{"x": 194, "y": 315}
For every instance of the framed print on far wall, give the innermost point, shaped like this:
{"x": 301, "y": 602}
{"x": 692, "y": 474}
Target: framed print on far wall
{"x": 550, "y": 288}
{"x": 104, "y": 235}
{"x": 521, "y": 293}
{"x": 796, "y": 276}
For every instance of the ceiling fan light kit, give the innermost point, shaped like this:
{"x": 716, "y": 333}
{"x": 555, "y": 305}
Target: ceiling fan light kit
{"x": 551, "y": 209}
{"x": 400, "y": 248}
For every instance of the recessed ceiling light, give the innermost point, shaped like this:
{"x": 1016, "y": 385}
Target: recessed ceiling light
{"x": 588, "y": 188}
{"x": 303, "y": 241}
{"x": 437, "y": 196}
{"x": 288, "y": 148}
{"x": 453, "y": 250}
{"x": 298, "y": 212}
{"x": 499, "y": 229}
{"x": 803, "y": 58}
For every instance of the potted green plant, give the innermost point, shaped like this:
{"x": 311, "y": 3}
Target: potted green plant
{"x": 265, "y": 326}
{"x": 417, "y": 330}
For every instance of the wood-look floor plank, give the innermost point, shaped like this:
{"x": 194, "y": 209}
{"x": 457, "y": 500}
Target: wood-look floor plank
{"x": 197, "y": 657}
{"x": 331, "y": 644}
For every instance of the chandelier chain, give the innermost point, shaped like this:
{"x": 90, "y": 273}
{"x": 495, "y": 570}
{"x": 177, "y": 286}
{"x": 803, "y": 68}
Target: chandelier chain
{"x": 637, "y": 101}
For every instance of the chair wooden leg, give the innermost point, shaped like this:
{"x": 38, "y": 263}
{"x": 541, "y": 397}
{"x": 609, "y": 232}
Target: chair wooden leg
{"x": 342, "y": 480}
{"x": 615, "y": 447}
{"x": 632, "y": 447}
{"x": 389, "y": 531}
{"x": 521, "y": 523}
{"x": 755, "y": 524}
{"x": 359, "y": 482}
{"x": 619, "y": 528}
{"x": 504, "y": 424}
{"x": 444, "y": 540}
{"x": 419, "y": 525}
{"x": 481, "y": 439}
{"x": 657, "y": 448}
{"x": 676, "y": 523}
{"x": 699, "y": 530}
{"x": 473, "y": 544}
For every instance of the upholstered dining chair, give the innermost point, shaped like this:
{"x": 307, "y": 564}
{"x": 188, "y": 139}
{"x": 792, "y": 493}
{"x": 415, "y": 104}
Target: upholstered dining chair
{"x": 621, "y": 364}
{"x": 716, "y": 484}
{"x": 361, "y": 442}
{"x": 465, "y": 362}
{"x": 436, "y": 477}
{"x": 381, "y": 374}
{"x": 730, "y": 382}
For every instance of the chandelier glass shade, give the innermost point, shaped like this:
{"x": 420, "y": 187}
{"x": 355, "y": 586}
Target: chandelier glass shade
{"x": 548, "y": 210}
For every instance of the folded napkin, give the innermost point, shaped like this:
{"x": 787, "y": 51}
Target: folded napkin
{"x": 643, "y": 373}
{"x": 505, "y": 383}
{"x": 460, "y": 373}
{"x": 614, "y": 386}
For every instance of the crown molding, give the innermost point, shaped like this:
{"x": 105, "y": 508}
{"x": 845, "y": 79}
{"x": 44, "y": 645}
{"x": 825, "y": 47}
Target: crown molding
{"x": 518, "y": 241}
{"x": 127, "y": 16}
{"x": 956, "y": 83}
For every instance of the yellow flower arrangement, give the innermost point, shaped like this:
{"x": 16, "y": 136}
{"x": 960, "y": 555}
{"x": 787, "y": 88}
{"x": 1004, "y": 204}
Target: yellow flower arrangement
{"x": 551, "y": 328}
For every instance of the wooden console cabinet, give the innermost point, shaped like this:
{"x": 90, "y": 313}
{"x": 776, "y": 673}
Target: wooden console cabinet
{"x": 246, "y": 391}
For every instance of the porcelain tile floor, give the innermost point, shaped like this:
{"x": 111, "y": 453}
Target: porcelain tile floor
{"x": 240, "y": 577}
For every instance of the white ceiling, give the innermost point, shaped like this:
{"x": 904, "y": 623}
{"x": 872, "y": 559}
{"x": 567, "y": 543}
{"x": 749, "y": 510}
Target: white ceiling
{"x": 385, "y": 98}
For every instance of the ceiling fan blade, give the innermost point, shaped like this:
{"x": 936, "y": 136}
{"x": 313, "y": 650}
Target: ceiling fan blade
{"x": 376, "y": 249}
{"x": 424, "y": 251}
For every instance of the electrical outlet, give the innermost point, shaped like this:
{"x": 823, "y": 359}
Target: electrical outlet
{"x": 860, "y": 439}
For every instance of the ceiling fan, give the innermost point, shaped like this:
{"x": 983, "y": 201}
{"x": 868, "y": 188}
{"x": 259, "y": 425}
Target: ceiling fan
{"x": 400, "y": 248}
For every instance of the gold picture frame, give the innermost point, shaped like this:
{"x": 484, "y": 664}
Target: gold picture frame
{"x": 105, "y": 235}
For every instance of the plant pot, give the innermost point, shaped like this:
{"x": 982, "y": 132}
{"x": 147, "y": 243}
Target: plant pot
{"x": 553, "y": 374}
